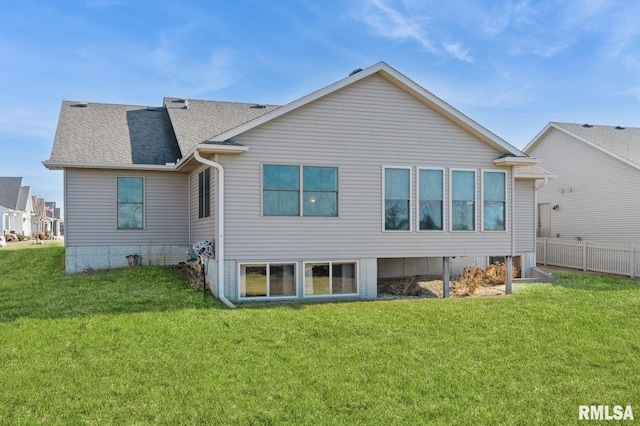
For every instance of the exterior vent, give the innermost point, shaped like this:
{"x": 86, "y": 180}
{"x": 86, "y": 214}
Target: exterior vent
{"x": 258, "y": 106}
{"x": 79, "y": 105}
{"x": 588, "y": 126}
{"x": 619, "y": 128}
{"x": 178, "y": 101}
{"x": 356, "y": 71}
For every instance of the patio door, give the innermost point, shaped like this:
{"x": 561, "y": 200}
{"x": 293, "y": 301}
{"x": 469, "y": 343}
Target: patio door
{"x": 544, "y": 220}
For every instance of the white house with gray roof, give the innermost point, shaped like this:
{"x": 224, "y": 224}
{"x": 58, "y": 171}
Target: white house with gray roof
{"x": 15, "y": 206}
{"x": 372, "y": 176}
{"x": 595, "y": 196}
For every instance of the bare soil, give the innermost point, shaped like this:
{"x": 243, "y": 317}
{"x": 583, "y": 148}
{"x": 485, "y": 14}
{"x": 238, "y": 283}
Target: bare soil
{"x": 426, "y": 287}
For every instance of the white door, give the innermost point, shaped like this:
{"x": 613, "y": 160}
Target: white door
{"x": 544, "y": 220}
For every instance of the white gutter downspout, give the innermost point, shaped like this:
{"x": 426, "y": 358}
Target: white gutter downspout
{"x": 220, "y": 220}
{"x": 541, "y": 185}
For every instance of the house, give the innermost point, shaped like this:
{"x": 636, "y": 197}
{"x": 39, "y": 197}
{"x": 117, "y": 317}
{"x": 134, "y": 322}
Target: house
{"x": 595, "y": 195}
{"x": 15, "y": 207}
{"x": 372, "y": 176}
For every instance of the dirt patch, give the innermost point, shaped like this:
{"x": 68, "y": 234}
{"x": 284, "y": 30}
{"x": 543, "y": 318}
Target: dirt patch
{"x": 428, "y": 287}
{"x": 190, "y": 272}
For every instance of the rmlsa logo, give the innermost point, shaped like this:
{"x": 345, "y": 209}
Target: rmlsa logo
{"x": 604, "y": 412}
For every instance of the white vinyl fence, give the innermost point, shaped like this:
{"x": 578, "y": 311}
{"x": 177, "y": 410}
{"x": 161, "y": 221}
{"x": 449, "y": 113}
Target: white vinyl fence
{"x": 612, "y": 258}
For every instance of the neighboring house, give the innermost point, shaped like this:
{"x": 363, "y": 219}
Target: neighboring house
{"x": 372, "y": 176}
{"x": 15, "y": 206}
{"x": 595, "y": 196}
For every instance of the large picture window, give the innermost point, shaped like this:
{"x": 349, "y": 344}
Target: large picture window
{"x": 330, "y": 278}
{"x": 463, "y": 204}
{"x": 284, "y": 187}
{"x": 130, "y": 203}
{"x": 204, "y": 193}
{"x": 397, "y": 199}
{"x": 267, "y": 280}
{"x": 430, "y": 199}
{"x": 494, "y": 200}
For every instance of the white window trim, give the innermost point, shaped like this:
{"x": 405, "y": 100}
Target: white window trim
{"x": 444, "y": 200}
{"x": 144, "y": 204}
{"x": 267, "y": 264}
{"x": 330, "y": 262}
{"x": 506, "y": 201}
{"x": 301, "y": 189}
{"x": 384, "y": 199}
{"x": 475, "y": 195}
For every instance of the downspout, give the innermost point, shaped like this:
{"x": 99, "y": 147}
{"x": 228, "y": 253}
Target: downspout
{"x": 220, "y": 220}
{"x": 541, "y": 185}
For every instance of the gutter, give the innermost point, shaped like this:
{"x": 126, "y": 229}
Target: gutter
{"x": 220, "y": 220}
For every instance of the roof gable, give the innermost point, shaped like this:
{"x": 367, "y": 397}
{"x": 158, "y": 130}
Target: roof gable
{"x": 396, "y": 78}
{"x": 10, "y": 191}
{"x": 618, "y": 142}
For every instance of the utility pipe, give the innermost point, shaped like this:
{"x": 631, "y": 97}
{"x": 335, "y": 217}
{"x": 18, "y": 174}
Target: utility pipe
{"x": 220, "y": 220}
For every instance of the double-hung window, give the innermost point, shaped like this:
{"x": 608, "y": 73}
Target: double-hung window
{"x": 204, "y": 193}
{"x": 463, "y": 200}
{"x": 494, "y": 200}
{"x": 397, "y": 199}
{"x": 299, "y": 191}
{"x": 130, "y": 203}
{"x": 430, "y": 199}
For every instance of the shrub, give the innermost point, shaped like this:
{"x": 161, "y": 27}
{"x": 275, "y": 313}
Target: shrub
{"x": 474, "y": 276}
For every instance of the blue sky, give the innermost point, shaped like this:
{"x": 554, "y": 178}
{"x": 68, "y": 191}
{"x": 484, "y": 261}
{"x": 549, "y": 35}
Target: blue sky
{"x": 512, "y": 66}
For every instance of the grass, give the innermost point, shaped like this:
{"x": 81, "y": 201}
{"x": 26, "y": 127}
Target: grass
{"x": 139, "y": 347}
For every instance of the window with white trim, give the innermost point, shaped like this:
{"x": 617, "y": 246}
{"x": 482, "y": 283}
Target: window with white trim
{"x": 204, "y": 193}
{"x": 463, "y": 200}
{"x": 130, "y": 203}
{"x": 299, "y": 190}
{"x": 494, "y": 201}
{"x": 430, "y": 199}
{"x": 330, "y": 278}
{"x": 397, "y": 198}
{"x": 267, "y": 280}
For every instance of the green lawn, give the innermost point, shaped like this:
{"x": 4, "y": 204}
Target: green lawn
{"x": 139, "y": 347}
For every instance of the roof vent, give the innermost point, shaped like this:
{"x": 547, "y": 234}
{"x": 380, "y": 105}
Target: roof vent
{"x": 619, "y": 128}
{"x": 588, "y": 126}
{"x": 178, "y": 101}
{"x": 258, "y": 106}
{"x": 79, "y": 105}
{"x": 356, "y": 71}
{"x": 186, "y": 104}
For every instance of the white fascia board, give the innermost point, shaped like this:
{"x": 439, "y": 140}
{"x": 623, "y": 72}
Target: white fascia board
{"x": 524, "y": 176}
{"x": 60, "y": 165}
{"x": 515, "y": 161}
{"x": 211, "y": 149}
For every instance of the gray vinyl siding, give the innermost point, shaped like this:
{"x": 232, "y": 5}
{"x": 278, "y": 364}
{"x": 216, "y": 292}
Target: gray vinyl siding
{"x": 91, "y": 209}
{"x": 202, "y": 228}
{"x": 359, "y": 129}
{"x": 525, "y": 225}
{"x": 599, "y": 201}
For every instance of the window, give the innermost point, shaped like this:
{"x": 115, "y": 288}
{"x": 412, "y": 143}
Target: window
{"x": 204, "y": 193}
{"x": 330, "y": 278}
{"x": 463, "y": 189}
{"x": 397, "y": 199}
{"x": 494, "y": 198}
{"x": 267, "y": 280}
{"x": 430, "y": 199}
{"x": 284, "y": 187}
{"x": 130, "y": 203}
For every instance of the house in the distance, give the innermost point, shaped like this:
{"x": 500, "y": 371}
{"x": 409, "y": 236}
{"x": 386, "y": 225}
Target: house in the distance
{"x": 372, "y": 176}
{"x": 15, "y": 207}
{"x": 597, "y": 193}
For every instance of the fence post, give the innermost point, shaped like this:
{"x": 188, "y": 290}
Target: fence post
{"x": 584, "y": 256}
{"x": 544, "y": 251}
{"x": 634, "y": 251}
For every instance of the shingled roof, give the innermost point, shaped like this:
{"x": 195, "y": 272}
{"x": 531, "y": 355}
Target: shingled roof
{"x": 622, "y": 141}
{"x": 10, "y": 192}
{"x": 194, "y": 121}
{"x": 114, "y": 134}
